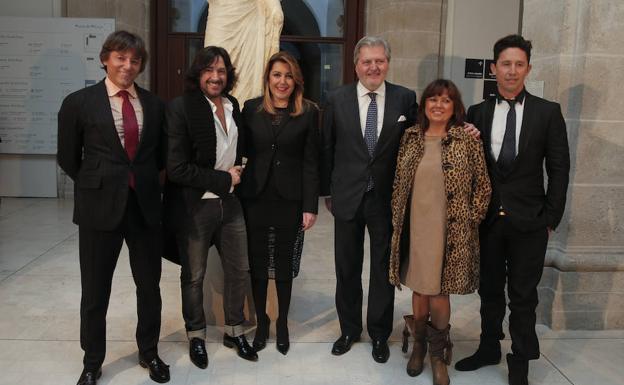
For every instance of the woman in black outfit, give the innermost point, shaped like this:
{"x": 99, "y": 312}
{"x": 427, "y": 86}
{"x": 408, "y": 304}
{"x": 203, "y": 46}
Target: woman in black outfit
{"x": 279, "y": 187}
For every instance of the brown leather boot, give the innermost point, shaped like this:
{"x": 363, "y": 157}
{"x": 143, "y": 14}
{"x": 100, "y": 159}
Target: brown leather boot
{"x": 440, "y": 351}
{"x": 415, "y": 327}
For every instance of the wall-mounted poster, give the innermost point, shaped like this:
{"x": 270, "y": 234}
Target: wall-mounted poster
{"x": 41, "y": 61}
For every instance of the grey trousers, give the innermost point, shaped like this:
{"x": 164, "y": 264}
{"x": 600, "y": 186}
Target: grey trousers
{"x": 216, "y": 222}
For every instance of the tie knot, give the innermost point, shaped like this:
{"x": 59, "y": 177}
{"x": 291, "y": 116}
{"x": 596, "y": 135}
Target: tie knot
{"x": 123, "y": 94}
{"x": 372, "y": 95}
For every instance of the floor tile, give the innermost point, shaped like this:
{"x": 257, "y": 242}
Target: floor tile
{"x": 39, "y": 322}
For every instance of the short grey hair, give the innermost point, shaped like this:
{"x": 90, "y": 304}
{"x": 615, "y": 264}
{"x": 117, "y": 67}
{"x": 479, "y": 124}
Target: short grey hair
{"x": 371, "y": 41}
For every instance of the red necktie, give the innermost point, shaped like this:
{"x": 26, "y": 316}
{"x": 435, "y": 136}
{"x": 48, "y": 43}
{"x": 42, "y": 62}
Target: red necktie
{"x": 131, "y": 129}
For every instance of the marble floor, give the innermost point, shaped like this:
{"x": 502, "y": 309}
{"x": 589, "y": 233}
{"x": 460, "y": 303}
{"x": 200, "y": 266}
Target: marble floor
{"x": 39, "y": 322}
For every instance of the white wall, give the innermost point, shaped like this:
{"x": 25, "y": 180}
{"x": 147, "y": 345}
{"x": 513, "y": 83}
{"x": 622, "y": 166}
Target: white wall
{"x": 472, "y": 28}
{"x": 29, "y": 175}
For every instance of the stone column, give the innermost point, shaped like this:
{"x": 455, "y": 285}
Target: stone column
{"x": 413, "y": 29}
{"x": 578, "y": 53}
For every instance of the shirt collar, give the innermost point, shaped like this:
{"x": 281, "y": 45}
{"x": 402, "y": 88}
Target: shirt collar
{"x": 363, "y": 91}
{"x": 518, "y": 99}
{"x": 112, "y": 89}
{"x": 227, "y": 104}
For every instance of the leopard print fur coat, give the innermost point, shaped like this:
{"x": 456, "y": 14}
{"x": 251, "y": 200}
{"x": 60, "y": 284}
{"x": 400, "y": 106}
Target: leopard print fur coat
{"x": 468, "y": 192}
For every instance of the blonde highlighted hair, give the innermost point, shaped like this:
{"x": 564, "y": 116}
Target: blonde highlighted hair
{"x": 296, "y": 98}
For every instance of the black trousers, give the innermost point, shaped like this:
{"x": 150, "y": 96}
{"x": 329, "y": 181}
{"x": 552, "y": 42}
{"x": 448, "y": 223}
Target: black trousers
{"x": 375, "y": 215}
{"x": 517, "y": 259}
{"x": 99, "y": 251}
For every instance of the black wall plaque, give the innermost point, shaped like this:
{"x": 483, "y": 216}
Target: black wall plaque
{"x": 489, "y": 88}
{"x": 488, "y": 74}
{"x": 474, "y": 69}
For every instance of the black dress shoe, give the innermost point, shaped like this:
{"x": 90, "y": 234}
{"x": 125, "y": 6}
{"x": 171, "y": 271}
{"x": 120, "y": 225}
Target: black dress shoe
{"x": 380, "y": 351}
{"x": 343, "y": 344}
{"x": 283, "y": 340}
{"x": 158, "y": 370}
{"x": 89, "y": 377}
{"x": 482, "y": 357}
{"x": 197, "y": 352}
{"x": 262, "y": 333}
{"x": 240, "y": 343}
{"x": 518, "y": 370}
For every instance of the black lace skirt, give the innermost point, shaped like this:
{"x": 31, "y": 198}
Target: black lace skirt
{"x": 275, "y": 237}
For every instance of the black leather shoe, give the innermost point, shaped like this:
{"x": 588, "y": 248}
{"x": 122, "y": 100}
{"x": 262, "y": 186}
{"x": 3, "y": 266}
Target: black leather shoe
{"x": 518, "y": 370}
{"x": 262, "y": 333}
{"x": 240, "y": 343}
{"x": 197, "y": 352}
{"x": 380, "y": 351}
{"x": 482, "y": 357}
{"x": 343, "y": 344}
{"x": 283, "y": 340}
{"x": 158, "y": 370}
{"x": 89, "y": 377}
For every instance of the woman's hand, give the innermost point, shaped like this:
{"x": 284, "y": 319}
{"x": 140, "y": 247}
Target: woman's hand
{"x": 308, "y": 220}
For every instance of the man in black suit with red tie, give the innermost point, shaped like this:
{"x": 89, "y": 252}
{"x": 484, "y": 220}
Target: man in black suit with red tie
{"x": 110, "y": 142}
{"x": 521, "y": 134}
{"x": 362, "y": 125}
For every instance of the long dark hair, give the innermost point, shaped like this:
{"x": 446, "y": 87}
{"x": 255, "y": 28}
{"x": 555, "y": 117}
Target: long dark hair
{"x": 204, "y": 58}
{"x": 436, "y": 88}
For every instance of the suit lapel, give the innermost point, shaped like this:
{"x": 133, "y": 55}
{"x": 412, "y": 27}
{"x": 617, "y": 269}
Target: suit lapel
{"x": 268, "y": 129}
{"x": 486, "y": 122}
{"x": 105, "y": 116}
{"x": 389, "y": 120}
{"x": 352, "y": 108}
{"x": 147, "y": 115}
{"x": 527, "y": 123}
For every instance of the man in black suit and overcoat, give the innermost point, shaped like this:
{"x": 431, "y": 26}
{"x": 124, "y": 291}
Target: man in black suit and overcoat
{"x": 522, "y": 135}
{"x": 204, "y": 155}
{"x": 362, "y": 125}
{"x": 110, "y": 142}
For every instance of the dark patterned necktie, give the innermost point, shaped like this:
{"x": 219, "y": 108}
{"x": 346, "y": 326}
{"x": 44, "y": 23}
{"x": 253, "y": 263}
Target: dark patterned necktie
{"x": 131, "y": 129}
{"x": 508, "y": 149}
{"x": 370, "y": 133}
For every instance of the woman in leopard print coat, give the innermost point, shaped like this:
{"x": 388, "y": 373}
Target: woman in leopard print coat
{"x": 466, "y": 189}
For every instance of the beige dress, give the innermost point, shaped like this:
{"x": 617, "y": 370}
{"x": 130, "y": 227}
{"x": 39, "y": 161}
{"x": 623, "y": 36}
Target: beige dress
{"x": 423, "y": 272}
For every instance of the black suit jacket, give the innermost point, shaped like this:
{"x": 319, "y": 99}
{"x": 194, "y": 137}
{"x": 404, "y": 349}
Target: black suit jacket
{"x": 289, "y": 151}
{"x": 90, "y": 152}
{"x": 543, "y": 142}
{"x": 191, "y": 155}
{"x": 345, "y": 162}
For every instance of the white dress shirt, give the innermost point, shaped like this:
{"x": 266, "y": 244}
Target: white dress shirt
{"x": 226, "y": 140}
{"x": 499, "y": 124}
{"x": 364, "y": 101}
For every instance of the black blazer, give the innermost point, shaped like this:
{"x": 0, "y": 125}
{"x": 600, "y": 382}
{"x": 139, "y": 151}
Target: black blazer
{"x": 191, "y": 155}
{"x": 289, "y": 151}
{"x": 543, "y": 141}
{"x": 90, "y": 152}
{"x": 345, "y": 162}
